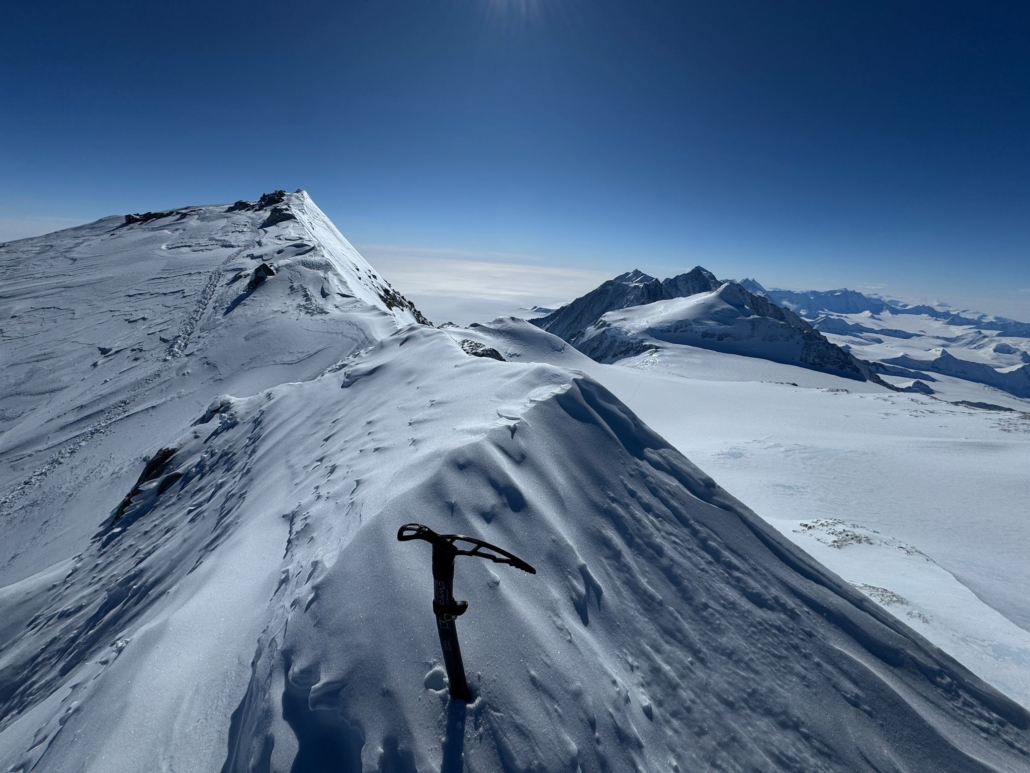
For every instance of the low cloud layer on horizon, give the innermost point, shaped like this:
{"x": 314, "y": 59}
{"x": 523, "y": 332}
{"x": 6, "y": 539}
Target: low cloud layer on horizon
{"x": 14, "y": 228}
{"x": 463, "y": 286}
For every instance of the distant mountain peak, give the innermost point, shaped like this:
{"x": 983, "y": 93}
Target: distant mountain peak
{"x": 752, "y": 286}
{"x": 697, "y": 280}
{"x": 584, "y": 323}
{"x": 636, "y": 276}
{"x": 634, "y": 288}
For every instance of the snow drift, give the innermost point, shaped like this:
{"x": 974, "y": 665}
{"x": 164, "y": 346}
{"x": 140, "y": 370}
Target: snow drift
{"x": 207, "y": 576}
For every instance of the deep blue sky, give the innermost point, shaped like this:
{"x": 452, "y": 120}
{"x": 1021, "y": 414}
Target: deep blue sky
{"x": 809, "y": 144}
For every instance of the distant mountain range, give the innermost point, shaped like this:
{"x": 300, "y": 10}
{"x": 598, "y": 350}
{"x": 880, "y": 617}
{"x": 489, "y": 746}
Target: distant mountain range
{"x": 811, "y": 304}
{"x": 909, "y": 344}
{"x": 851, "y": 319}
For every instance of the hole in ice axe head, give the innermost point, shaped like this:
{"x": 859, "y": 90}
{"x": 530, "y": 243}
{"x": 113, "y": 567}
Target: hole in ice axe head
{"x": 446, "y": 547}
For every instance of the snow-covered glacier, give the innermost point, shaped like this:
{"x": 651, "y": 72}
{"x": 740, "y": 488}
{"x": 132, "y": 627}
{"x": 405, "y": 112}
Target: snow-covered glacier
{"x": 213, "y": 421}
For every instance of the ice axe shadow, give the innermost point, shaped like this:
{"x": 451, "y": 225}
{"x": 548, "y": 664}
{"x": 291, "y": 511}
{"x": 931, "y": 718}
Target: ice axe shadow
{"x": 446, "y": 547}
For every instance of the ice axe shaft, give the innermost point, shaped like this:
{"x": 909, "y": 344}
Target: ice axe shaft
{"x": 447, "y": 547}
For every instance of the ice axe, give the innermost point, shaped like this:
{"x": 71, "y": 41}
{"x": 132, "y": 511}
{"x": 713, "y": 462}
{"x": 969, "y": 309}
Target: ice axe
{"x": 445, "y": 550}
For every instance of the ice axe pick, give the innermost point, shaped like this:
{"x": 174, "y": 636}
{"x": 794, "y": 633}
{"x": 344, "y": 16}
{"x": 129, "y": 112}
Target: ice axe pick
{"x": 446, "y": 547}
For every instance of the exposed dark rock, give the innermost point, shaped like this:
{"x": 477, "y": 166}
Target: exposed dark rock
{"x": 153, "y": 469}
{"x": 168, "y": 481}
{"x": 146, "y": 217}
{"x": 476, "y": 349}
{"x": 269, "y": 199}
{"x": 697, "y": 280}
{"x": 394, "y": 300}
{"x": 278, "y": 215}
{"x": 752, "y": 286}
{"x": 985, "y": 406}
{"x": 920, "y": 387}
{"x": 261, "y": 273}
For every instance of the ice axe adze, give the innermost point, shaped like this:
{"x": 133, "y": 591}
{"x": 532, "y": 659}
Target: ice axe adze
{"x": 445, "y": 548}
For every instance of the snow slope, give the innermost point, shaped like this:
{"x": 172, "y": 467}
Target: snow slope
{"x": 919, "y": 503}
{"x": 204, "y": 584}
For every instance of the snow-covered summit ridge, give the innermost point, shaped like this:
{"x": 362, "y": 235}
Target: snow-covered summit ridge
{"x": 139, "y": 320}
{"x": 634, "y": 277}
{"x": 369, "y": 285}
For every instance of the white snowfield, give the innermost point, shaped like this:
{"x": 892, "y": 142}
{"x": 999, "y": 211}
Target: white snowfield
{"x": 203, "y": 475}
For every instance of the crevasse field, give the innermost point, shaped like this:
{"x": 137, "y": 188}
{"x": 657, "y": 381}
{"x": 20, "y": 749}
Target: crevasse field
{"x": 214, "y": 420}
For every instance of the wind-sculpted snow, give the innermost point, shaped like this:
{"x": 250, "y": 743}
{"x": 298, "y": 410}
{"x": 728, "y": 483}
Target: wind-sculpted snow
{"x": 228, "y": 592}
{"x": 668, "y": 626}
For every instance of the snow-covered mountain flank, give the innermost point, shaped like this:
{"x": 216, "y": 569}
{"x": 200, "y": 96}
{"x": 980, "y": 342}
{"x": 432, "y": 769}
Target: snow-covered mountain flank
{"x": 693, "y": 309}
{"x": 213, "y": 422}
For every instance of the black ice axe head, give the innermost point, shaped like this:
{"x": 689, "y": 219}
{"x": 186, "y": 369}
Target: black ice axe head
{"x": 446, "y": 547}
